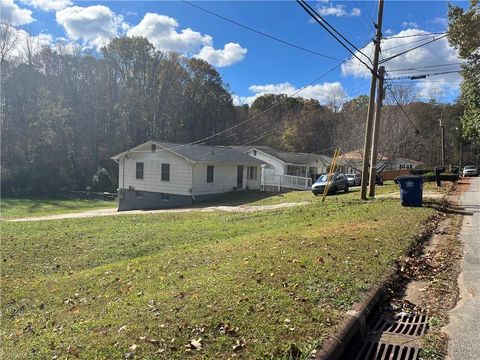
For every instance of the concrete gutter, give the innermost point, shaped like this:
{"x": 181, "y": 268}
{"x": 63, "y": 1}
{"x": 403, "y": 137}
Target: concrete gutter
{"x": 355, "y": 323}
{"x": 355, "y": 319}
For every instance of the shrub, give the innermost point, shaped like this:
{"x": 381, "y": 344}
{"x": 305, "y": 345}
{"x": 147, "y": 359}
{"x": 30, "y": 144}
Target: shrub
{"x": 443, "y": 177}
{"x": 103, "y": 181}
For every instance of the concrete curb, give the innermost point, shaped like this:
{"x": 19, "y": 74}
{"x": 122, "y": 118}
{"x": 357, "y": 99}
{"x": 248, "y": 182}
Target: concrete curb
{"x": 355, "y": 321}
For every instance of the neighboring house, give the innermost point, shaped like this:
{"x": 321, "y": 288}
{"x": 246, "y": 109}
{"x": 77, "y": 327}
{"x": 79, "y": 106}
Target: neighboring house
{"x": 288, "y": 169}
{"x": 159, "y": 175}
{"x": 352, "y": 163}
{"x": 402, "y": 163}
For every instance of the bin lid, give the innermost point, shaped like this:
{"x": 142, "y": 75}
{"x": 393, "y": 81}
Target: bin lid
{"x": 414, "y": 178}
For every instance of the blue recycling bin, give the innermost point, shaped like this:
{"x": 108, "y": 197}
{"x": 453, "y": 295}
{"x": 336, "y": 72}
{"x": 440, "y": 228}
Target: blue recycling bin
{"x": 411, "y": 190}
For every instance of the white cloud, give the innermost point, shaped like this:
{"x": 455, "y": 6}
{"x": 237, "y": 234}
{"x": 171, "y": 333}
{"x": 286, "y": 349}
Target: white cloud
{"x": 338, "y": 10}
{"x": 325, "y": 93}
{"x": 229, "y": 55}
{"x": 164, "y": 33}
{"x": 95, "y": 25}
{"x": 438, "y": 52}
{"x": 48, "y": 5}
{"x": 13, "y": 14}
{"x": 161, "y": 30}
{"x": 409, "y": 24}
{"x": 389, "y": 31}
{"x": 440, "y": 21}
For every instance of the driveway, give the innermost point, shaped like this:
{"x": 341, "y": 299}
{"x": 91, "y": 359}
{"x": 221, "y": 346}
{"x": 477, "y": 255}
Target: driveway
{"x": 114, "y": 212}
{"x": 464, "y": 326}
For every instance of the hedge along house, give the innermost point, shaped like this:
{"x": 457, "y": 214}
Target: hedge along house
{"x": 157, "y": 175}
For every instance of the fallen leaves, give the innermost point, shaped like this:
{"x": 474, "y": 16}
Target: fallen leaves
{"x": 194, "y": 344}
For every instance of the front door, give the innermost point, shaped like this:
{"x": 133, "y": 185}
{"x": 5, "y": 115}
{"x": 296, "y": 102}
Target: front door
{"x": 240, "y": 177}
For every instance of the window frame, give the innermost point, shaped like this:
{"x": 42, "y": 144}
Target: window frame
{"x": 137, "y": 170}
{"x": 210, "y": 173}
{"x": 252, "y": 173}
{"x": 162, "y": 172}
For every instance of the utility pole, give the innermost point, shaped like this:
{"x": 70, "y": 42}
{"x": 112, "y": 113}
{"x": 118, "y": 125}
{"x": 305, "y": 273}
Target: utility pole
{"x": 442, "y": 136}
{"x": 368, "y": 131}
{"x": 376, "y": 130}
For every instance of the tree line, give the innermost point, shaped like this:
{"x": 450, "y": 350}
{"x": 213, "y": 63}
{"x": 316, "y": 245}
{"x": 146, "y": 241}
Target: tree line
{"x": 65, "y": 114}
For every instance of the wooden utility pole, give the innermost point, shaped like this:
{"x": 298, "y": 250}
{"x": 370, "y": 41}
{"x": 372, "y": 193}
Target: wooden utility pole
{"x": 442, "y": 139}
{"x": 376, "y": 130}
{"x": 368, "y": 131}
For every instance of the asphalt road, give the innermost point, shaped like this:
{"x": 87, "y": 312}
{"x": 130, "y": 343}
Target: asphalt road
{"x": 464, "y": 327}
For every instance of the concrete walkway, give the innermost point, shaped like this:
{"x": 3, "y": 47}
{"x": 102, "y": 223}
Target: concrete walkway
{"x": 464, "y": 326}
{"x": 114, "y": 212}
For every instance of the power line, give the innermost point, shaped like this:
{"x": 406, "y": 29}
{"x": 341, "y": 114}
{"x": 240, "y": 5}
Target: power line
{"x": 406, "y": 51}
{"x": 406, "y": 44}
{"x": 261, "y": 32}
{"x": 426, "y": 66}
{"x": 423, "y": 76}
{"x": 311, "y": 13}
{"x": 414, "y": 35}
{"x": 331, "y": 27}
{"x": 401, "y": 107}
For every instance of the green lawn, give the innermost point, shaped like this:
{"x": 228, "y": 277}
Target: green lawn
{"x": 248, "y": 284}
{"x": 25, "y": 207}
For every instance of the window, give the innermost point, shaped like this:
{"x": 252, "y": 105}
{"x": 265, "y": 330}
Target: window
{"x": 154, "y": 147}
{"x": 252, "y": 173}
{"x": 165, "y": 172}
{"x": 165, "y": 197}
{"x": 139, "y": 170}
{"x": 254, "y": 152}
{"x": 209, "y": 173}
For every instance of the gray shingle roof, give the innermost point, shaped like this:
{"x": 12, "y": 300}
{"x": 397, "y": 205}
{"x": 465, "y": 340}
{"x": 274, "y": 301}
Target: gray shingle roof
{"x": 207, "y": 153}
{"x": 296, "y": 158}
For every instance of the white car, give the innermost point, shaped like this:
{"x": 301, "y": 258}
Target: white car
{"x": 470, "y": 170}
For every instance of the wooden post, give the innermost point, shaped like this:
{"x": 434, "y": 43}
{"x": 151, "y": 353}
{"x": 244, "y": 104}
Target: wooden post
{"x": 376, "y": 130}
{"x": 368, "y": 130}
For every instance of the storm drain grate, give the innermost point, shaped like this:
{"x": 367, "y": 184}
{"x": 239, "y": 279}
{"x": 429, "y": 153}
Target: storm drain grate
{"x": 374, "y": 350}
{"x": 408, "y": 325}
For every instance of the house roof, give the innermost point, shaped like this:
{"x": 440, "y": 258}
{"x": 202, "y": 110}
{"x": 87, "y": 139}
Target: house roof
{"x": 296, "y": 158}
{"x": 357, "y": 154}
{"x": 399, "y": 159}
{"x": 202, "y": 153}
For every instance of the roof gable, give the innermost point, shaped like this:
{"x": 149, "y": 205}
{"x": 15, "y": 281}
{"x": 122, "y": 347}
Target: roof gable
{"x": 201, "y": 153}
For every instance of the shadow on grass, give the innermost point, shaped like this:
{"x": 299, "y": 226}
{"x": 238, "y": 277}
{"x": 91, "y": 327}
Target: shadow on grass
{"x": 451, "y": 209}
{"x": 36, "y": 204}
{"x": 238, "y": 198}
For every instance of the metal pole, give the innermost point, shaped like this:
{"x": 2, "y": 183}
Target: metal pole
{"x": 368, "y": 130}
{"x": 376, "y": 130}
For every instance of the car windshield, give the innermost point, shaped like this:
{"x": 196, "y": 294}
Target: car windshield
{"x": 351, "y": 176}
{"x": 322, "y": 178}
{"x": 469, "y": 167}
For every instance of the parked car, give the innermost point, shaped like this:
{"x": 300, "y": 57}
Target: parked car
{"x": 337, "y": 182}
{"x": 354, "y": 179}
{"x": 470, "y": 170}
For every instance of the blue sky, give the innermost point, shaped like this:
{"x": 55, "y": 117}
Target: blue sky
{"x": 249, "y": 63}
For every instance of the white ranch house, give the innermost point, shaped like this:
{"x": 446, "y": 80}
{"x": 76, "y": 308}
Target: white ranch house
{"x": 287, "y": 169}
{"x": 352, "y": 162}
{"x": 159, "y": 175}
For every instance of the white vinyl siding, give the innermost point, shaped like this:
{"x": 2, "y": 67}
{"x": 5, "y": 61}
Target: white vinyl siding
{"x": 274, "y": 164}
{"x": 180, "y": 172}
{"x": 224, "y": 179}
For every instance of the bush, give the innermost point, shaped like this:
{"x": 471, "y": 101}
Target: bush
{"x": 103, "y": 181}
{"x": 443, "y": 177}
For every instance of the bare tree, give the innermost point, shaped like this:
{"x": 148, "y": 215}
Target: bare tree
{"x": 8, "y": 39}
